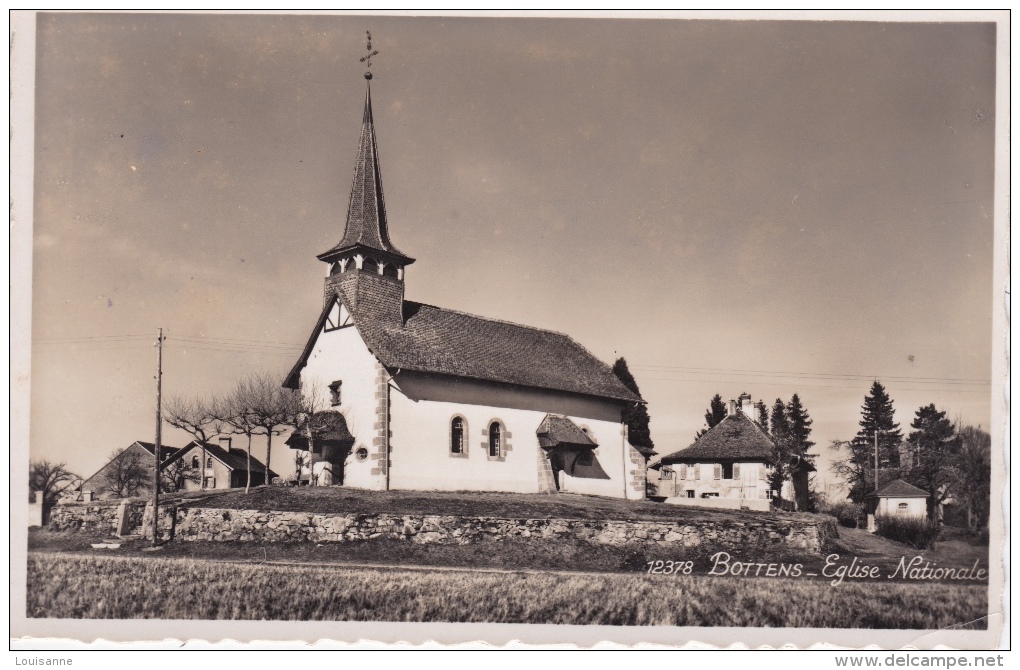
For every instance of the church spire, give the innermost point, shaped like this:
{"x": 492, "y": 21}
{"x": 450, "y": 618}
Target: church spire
{"x": 366, "y": 242}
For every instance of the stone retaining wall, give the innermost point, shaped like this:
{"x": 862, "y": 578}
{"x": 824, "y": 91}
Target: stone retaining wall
{"x": 95, "y": 517}
{"x": 224, "y": 525}
{"x": 190, "y": 524}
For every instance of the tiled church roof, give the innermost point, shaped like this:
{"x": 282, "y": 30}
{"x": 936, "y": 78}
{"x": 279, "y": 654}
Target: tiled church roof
{"x": 735, "y": 437}
{"x": 431, "y": 339}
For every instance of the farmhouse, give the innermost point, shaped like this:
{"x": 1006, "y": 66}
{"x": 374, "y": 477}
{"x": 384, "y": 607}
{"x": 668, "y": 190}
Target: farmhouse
{"x": 413, "y": 396}
{"x": 728, "y": 466}
{"x": 125, "y": 474}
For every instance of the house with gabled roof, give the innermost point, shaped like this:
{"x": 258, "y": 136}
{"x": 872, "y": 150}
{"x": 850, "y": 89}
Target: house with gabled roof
{"x": 897, "y": 498}
{"x": 729, "y": 466}
{"x": 225, "y": 466}
{"x": 431, "y": 398}
{"x": 124, "y": 475}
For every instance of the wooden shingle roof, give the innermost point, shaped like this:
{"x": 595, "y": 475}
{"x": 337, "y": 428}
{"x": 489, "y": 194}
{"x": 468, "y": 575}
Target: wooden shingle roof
{"x": 736, "y": 437}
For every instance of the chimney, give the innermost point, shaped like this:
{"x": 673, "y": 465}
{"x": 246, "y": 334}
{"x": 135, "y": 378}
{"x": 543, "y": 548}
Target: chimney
{"x": 746, "y": 406}
{"x": 733, "y": 408}
{"x": 225, "y": 443}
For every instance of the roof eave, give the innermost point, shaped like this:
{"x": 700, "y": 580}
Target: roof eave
{"x": 387, "y": 255}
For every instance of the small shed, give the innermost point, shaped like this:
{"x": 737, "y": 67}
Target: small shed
{"x": 897, "y": 498}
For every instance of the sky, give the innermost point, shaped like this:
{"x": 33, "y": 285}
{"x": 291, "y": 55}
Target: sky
{"x": 773, "y": 207}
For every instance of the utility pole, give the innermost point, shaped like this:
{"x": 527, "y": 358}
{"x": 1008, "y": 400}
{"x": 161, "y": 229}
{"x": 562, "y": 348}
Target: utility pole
{"x": 876, "y": 459}
{"x": 159, "y": 434}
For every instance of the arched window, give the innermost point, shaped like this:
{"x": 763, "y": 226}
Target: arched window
{"x": 208, "y": 462}
{"x": 495, "y": 439}
{"x": 390, "y": 270}
{"x": 194, "y": 462}
{"x": 901, "y": 508}
{"x": 457, "y": 435}
{"x": 335, "y": 268}
{"x": 369, "y": 265}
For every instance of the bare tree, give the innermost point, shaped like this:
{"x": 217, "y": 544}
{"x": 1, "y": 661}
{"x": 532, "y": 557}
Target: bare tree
{"x": 49, "y": 480}
{"x": 237, "y": 411}
{"x": 303, "y": 405}
{"x": 201, "y": 417}
{"x": 126, "y": 475}
{"x": 272, "y": 409}
{"x": 975, "y": 474}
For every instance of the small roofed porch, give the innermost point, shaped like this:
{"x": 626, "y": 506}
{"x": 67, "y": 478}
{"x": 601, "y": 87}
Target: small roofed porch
{"x": 569, "y": 454}
{"x": 328, "y": 441}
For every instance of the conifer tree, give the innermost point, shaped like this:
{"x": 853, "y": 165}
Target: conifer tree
{"x": 858, "y": 469}
{"x": 799, "y": 424}
{"x": 877, "y": 414}
{"x": 635, "y": 416}
{"x": 763, "y": 417}
{"x": 715, "y": 414}
{"x": 782, "y": 439}
{"x": 937, "y": 444}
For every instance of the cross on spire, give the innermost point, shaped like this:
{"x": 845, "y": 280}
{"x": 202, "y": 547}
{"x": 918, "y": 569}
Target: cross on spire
{"x": 367, "y": 59}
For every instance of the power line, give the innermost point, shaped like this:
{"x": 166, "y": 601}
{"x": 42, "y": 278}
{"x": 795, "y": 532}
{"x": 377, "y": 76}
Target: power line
{"x": 809, "y": 375}
{"x": 276, "y": 348}
{"x": 825, "y": 386}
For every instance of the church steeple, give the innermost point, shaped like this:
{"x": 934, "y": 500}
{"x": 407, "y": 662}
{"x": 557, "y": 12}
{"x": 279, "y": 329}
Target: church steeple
{"x": 366, "y": 245}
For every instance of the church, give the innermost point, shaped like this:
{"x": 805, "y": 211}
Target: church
{"x": 409, "y": 396}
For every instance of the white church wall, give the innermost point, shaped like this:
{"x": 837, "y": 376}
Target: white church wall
{"x": 422, "y": 457}
{"x": 341, "y": 355}
{"x": 420, "y": 447}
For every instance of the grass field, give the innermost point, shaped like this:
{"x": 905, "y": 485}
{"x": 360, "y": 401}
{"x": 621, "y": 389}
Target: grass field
{"x": 75, "y": 586}
{"x": 335, "y": 499}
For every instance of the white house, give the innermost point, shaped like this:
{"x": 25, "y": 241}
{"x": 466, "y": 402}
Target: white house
{"x": 729, "y": 467}
{"x": 413, "y": 396}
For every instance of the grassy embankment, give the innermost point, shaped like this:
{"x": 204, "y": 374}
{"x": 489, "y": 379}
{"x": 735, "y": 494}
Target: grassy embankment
{"x": 340, "y": 500}
{"x": 113, "y": 587}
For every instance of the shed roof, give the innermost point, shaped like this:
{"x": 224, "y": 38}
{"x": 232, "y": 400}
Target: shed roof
{"x": 327, "y": 427}
{"x": 558, "y": 430}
